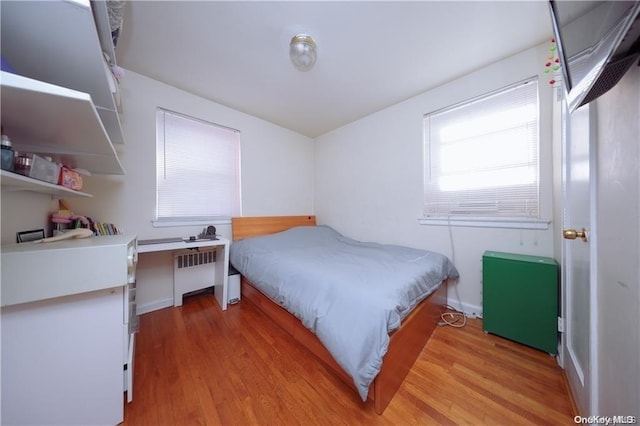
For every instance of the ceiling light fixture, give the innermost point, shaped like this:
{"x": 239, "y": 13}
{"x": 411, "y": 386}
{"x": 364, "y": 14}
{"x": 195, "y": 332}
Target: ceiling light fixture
{"x": 303, "y": 52}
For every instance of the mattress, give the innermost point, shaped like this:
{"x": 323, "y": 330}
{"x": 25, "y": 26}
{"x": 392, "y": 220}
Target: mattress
{"x": 350, "y": 293}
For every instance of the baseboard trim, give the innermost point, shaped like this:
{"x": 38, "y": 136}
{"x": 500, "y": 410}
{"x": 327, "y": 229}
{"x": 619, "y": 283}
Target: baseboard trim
{"x": 572, "y": 401}
{"x": 153, "y": 306}
{"x": 467, "y": 308}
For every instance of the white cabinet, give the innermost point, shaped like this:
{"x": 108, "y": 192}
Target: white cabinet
{"x": 31, "y": 272}
{"x": 60, "y": 101}
{"x": 57, "y": 42}
{"x": 62, "y": 360}
{"x": 64, "y": 325}
{"x": 53, "y": 120}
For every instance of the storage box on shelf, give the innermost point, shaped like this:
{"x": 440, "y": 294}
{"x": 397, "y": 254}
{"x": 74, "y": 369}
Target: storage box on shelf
{"x": 36, "y": 167}
{"x": 70, "y": 179}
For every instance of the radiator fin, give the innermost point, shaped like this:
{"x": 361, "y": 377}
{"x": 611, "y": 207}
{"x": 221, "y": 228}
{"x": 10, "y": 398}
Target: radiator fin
{"x": 193, "y": 270}
{"x": 194, "y": 259}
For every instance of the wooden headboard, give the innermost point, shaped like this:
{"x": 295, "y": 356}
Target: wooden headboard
{"x": 244, "y": 227}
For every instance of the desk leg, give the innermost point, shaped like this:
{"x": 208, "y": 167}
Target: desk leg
{"x": 220, "y": 290}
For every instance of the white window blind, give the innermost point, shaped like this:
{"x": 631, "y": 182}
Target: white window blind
{"x": 198, "y": 169}
{"x": 481, "y": 157}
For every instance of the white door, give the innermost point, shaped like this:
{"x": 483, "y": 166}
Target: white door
{"x": 618, "y": 190}
{"x": 578, "y": 275}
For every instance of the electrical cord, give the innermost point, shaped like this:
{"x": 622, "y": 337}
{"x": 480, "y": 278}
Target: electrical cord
{"x": 455, "y": 319}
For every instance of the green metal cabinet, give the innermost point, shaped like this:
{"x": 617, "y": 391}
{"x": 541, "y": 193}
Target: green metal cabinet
{"x": 520, "y": 298}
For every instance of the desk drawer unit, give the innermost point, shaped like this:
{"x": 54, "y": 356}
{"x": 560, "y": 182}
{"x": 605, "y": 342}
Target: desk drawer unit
{"x": 520, "y": 298}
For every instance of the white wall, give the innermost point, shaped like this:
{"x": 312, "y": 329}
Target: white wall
{"x": 364, "y": 179}
{"x": 25, "y": 211}
{"x": 369, "y": 177}
{"x": 277, "y": 175}
{"x": 277, "y": 164}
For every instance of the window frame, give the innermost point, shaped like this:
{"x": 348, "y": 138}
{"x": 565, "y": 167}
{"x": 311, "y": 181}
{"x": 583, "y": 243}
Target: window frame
{"x": 168, "y": 221}
{"x": 480, "y": 220}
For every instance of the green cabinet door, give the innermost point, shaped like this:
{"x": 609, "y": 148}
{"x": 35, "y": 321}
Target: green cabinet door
{"x": 520, "y": 298}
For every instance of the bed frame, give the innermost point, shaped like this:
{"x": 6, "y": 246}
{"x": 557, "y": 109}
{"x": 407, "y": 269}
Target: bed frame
{"x": 405, "y": 344}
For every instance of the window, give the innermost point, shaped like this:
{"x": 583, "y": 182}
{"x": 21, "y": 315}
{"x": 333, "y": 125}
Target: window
{"x": 481, "y": 157}
{"x": 197, "y": 169}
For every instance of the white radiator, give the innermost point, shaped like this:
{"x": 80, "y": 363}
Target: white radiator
{"x": 192, "y": 270}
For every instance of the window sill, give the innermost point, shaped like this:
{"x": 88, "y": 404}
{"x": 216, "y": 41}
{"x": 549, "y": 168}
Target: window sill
{"x": 481, "y": 222}
{"x": 167, "y": 223}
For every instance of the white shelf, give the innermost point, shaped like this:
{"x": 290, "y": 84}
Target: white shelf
{"x": 56, "y": 121}
{"x": 179, "y": 245}
{"x": 57, "y": 42}
{"x": 15, "y": 182}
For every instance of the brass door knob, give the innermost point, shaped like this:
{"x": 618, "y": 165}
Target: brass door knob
{"x": 572, "y": 234}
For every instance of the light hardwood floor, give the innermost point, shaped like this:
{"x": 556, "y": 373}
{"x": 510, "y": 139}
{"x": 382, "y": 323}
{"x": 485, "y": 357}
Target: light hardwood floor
{"x": 198, "y": 365}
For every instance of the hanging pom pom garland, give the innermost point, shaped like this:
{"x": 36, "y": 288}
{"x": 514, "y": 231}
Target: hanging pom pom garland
{"x": 552, "y": 65}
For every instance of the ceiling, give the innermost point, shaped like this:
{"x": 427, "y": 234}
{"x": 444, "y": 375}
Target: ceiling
{"x": 370, "y": 54}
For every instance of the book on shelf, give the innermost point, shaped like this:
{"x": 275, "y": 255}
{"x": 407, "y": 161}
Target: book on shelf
{"x": 103, "y": 228}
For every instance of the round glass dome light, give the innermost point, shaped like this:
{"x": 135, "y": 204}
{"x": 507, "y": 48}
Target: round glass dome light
{"x": 303, "y": 52}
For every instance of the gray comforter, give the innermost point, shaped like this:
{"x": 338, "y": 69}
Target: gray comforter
{"x": 351, "y": 294}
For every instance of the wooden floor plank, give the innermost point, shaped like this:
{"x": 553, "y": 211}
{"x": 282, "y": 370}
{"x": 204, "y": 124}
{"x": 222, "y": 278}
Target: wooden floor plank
{"x": 198, "y": 365}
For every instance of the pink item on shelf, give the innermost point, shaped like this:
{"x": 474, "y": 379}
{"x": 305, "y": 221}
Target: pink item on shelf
{"x": 57, "y": 219}
{"x": 81, "y": 219}
{"x": 70, "y": 179}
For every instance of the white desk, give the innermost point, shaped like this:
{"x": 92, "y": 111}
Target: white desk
{"x": 221, "y": 246}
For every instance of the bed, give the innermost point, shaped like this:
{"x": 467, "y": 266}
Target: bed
{"x": 340, "y": 298}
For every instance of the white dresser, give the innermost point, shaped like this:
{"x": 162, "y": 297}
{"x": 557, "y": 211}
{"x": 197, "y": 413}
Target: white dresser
{"x": 65, "y": 330}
